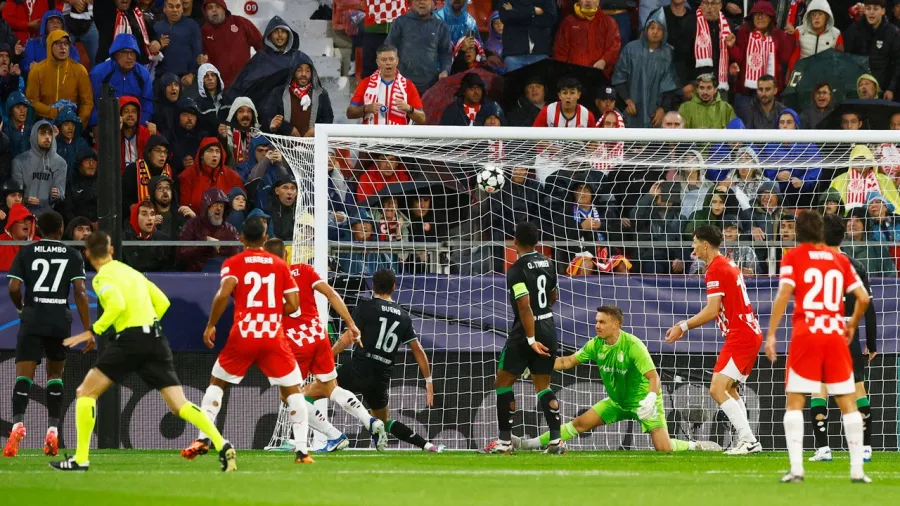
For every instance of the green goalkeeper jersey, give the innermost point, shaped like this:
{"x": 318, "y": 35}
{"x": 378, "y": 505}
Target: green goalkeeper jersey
{"x": 622, "y": 368}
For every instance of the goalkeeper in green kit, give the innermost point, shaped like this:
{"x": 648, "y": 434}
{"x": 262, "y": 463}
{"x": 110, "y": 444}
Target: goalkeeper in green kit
{"x": 630, "y": 378}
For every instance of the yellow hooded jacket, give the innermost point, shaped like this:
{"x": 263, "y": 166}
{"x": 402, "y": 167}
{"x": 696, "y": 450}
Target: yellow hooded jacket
{"x": 888, "y": 189}
{"x": 50, "y": 81}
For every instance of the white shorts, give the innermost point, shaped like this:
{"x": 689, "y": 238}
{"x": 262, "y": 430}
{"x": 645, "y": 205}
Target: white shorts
{"x": 797, "y": 384}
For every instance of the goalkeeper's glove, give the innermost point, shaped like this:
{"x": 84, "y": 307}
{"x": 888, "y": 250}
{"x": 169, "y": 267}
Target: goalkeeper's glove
{"x": 647, "y": 407}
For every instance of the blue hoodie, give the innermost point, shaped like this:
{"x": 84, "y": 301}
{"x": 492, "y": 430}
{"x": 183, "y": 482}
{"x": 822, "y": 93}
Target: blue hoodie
{"x": 722, "y": 152}
{"x": 236, "y": 218}
{"x": 69, "y": 150}
{"x": 19, "y": 142}
{"x": 460, "y": 26}
{"x": 262, "y": 214}
{"x": 136, "y": 83}
{"x": 180, "y": 56}
{"x": 36, "y": 47}
{"x": 795, "y": 155}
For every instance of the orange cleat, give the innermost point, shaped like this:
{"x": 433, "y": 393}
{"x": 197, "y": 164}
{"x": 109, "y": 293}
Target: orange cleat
{"x": 51, "y": 443}
{"x": 303, "y": 458}
{"x": 16, "y": 435}
{"x": 198, "y": 447}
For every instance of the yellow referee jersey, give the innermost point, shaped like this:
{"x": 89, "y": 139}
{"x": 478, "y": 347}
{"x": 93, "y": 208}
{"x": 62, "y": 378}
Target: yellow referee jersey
{"x": 128, "y": 298}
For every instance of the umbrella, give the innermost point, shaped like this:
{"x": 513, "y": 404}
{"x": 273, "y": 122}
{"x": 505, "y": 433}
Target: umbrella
{"x": 550, "y": 71}
{"x": 876, "y": 114}
{"x": 839, "y": 70}
{"x": 443, "y": 93}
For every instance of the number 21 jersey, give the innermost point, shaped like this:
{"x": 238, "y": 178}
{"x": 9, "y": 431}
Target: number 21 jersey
{"x": 262, "y": 281}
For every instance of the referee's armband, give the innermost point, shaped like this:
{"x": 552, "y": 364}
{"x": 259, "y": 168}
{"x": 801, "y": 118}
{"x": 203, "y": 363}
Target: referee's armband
{"x": 519, "y": 290}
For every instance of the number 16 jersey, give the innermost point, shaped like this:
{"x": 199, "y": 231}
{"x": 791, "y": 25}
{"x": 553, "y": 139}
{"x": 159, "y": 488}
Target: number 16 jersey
{"x": 384, "y": 326}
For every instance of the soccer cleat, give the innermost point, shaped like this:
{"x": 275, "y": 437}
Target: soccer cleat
{"x": 745, "y": 448}
{"x": 303, "y": 458}
{"x": 497, "y": 448}
{"x": 51, "y": 443}
{"x": 436, "y": 449}
{"x": 228, "y": 458}
{"x": 823, "y": 454}
{"x": 708, "y": 446}
{"x": 557, "y": 449}
{"x": 860, "y": 479}
{"x": 867, "y": 454}
{"x": 16, "y": 435}
{"x": 334, "y": 445}
{"x": 792, "y": 478}
{"x": 379, "y": 436}
{"x": 198, "y": 447}
{"x": 69, "y": 464}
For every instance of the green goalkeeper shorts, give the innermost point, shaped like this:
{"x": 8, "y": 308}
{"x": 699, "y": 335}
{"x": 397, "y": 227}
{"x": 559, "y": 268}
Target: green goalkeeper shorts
{"x": 610, "y": 413}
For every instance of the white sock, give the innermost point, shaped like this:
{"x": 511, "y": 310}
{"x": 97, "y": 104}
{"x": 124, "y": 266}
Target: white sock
{"x": 853, "y": 431}
{"x": 532, "y": 444}
{"x": 738, "y": 418}
{"x": 740, "y": 401}
{"x": 211, "y": 404}
{"x": 299, "y": 415}
{"x": 692, "y": 446}
{"x": 349, "y": 403}
{"x": 52, "y": 429}
{"x": 317, "y": 421}
{"x": 427, "y": 446}
{"x": 793, "y": 433}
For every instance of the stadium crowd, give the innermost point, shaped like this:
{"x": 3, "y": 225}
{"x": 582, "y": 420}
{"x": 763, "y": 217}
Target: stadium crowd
{"x": 194, "y": 80}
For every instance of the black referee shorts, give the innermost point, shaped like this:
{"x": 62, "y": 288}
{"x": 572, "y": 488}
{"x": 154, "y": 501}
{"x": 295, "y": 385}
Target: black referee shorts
{"x": 134, "y": 350}
{"x": 517, "y": 355}
{"x": 375, "y": 389}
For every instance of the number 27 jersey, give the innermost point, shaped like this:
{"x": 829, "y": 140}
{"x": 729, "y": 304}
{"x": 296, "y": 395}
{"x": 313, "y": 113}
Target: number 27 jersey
{"x": 262, "y": 281}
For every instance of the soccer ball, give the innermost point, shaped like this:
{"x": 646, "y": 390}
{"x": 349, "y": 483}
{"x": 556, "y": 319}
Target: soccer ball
{"x": 490, "y": 178}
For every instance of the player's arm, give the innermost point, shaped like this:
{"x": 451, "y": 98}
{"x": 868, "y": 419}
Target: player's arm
{"x": 113, "y": 303}
{"x": 779, "y": 306}
{"x": 344, "y": 341}
{"x": 871, "y": 330}
{"x": 554, "y": 296}
{"x": 219, "y": 303}
{"x": 83, "y": 304}
{"x": 337, "y": 303}
{"x": 425, "y": 367}
{"x": 706, "y": 315}
{"x": 566, "y": 363}
{"x": 15, "y": 292}
{"x": 859, "y": 309}
{"x": 526, "y": 316}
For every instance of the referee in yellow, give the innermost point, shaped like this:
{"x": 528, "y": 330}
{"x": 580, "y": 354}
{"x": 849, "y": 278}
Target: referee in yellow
{"x": 132, "y": 306}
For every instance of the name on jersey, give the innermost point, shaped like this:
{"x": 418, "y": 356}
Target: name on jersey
{"x": 539, "y": 263}
{"x": 391, "y": 309}
{"x": 49, "y": 249}
{"x": 258, "y": 260}
{"x": 821, "y": 255}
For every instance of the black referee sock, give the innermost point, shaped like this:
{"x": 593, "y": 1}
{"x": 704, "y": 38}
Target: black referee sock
{"x": 506, "y": 406}
{"x": 20, "y": 398}
{"x": 550, "y": 407}
{"x": 404, "y": 433}
{"x": 54, "y": 395}
{"x": 819, "y": 420}
{"x": 865, "y": 410}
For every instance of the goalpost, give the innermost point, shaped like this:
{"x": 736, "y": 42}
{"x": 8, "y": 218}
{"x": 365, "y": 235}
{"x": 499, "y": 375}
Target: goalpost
{"x": 615, "y": 208}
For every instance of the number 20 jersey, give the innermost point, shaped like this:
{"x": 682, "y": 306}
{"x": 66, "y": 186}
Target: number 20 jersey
{"x": 262, "y": 280}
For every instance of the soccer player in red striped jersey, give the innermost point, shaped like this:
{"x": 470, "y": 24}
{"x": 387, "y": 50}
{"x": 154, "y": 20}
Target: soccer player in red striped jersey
{"x": 818, "y": 278}
{"x": 263, "y": 291}
{"x": 311, "y": 347}
{"x": 728, "y": 303}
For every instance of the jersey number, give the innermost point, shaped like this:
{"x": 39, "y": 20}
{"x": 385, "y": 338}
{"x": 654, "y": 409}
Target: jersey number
{"x": 256, "y": 281}
{"x": 542, "y": 291}
{"x": 387, "y": 339}
{"x": 830, "y": 285}
{"x": 42, "y": 265}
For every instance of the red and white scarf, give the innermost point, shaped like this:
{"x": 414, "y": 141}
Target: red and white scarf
{"x": 495, "y": 151}
{"x": 609, "y": 154}
{"x": 889, "y": 160}
{"x": 301, "y": 93}
{"x": 471, "y": 112}
{"x": 123, "y": 26}
{"x": 241, "y": 144}
{"x": 703, "y": 50}
{"x": 760, "y": 58}
{"x": 859, "y": 187}
{"x": 384, "y": 11}
{"x": 386, "y": 94}
{"x": 555, "y": 117}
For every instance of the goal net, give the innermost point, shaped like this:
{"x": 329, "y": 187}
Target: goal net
{"x": 615, "y": 209}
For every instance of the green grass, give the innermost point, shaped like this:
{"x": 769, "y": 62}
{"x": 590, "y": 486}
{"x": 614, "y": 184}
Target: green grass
{"x": 138, "y": 478}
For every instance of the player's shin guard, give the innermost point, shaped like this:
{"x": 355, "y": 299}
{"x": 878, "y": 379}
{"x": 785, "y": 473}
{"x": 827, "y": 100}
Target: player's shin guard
{"x": 866, "y": 411}
{"x": 211, "y": 404}
{"x": 818, "y": 410}
{"x": 318, "y": 421}
{"x": 85, "y": 417}
{"x": 404, "y": 433}
{"x": 20, "y": 398}
{"x": 793, "y": 434}
{"x": 299, "y": 413}
{"x": 192, "y": 414}
{"x": 738, "y": 418}
{"x": 550, "y": 407}
{"x": 349, "y": 403}
{"x": 506, "y": 406}
{"x": 54, "y": 395}
{"x": 853, "y": 430}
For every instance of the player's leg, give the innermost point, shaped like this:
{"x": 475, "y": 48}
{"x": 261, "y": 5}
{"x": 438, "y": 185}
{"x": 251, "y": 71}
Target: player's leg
{"x": 818, "y": 420}
{"x": 550, "y": 407}
{"x": 860, "y": 370}
{"x": 602, "y": 413}
{"x": 191, "y": 413}
{"x": 376, "y": 395}
{"x": 839, "y": 381}
{"x": 297, "y": 405}
{"x": 54, "y": 400}
{"x": 402, "y": 431}
{"x": 506, "y": 407}
{"x": 734, "y": 366}
{"x": 25, "y": 369}
{"x": 95, "y": 383}
{"x": 323, "y": 367}
{"x": 793, "y": 428}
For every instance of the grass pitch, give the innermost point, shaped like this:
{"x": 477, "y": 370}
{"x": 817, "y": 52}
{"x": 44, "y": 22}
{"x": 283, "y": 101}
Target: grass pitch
{"x": 138, "y": 478}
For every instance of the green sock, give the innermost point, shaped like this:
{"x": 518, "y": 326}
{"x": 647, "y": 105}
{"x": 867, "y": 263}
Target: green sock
{"x": 566, "y": 432}
{"x": 862, "y": 402}
{"x": 818, "y": 401}
{"x": 85, "y": 417}
{"x": 680, "y": 446}
{"x": 193, "y": 415}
